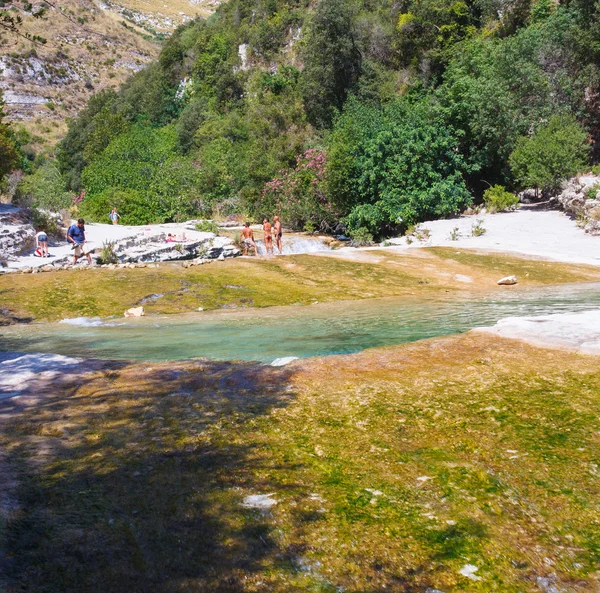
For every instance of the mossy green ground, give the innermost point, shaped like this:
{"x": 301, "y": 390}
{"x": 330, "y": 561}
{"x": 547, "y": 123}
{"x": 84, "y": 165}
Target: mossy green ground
{"x": 392, "y": 469}
{"x": 259, "y": 282}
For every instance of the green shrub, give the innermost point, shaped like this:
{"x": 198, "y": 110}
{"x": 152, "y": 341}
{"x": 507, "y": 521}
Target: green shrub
{"x": 207, "y": 226}
{"x": 143, "y": 162}
{"x": 592, "y": 192}
{"x": 108, "y": 255}
{"x": 44, "y": 189}
{"x": 396, "y": 166}
{"x": 497, "y": 199}
{"x": 360, "y": 237}
{"x": 134, "y": 208}
{"x": 553, "y": 153}
{"x": 477, "y": 229}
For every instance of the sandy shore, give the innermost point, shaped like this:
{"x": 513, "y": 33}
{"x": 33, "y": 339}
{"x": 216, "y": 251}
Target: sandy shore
{"x": 550, "y": 235}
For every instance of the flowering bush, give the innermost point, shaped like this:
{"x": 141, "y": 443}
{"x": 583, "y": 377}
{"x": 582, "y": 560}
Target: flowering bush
{"x": 298, "y": 195}
{"x": 78, "y": 198}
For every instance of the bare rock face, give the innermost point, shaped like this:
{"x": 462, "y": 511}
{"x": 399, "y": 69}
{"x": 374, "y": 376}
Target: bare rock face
{"x": 16, "y": 233}
{"x": 507, "y": 281}
{"x": 135, "y": 312}
{"x": 592, "y": 227}
{"x": 575, "y": 195}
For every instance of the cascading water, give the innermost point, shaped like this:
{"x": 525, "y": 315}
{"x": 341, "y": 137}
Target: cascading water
{"x": 296, "y": 244}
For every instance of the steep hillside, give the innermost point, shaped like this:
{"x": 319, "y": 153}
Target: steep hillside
{"x": 90, "y": 45}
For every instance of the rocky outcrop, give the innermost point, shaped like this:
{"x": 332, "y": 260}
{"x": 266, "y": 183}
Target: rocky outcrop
{"x": 580, "y": 197}
{"x": 16, "y": 233}
{"x": 156, "y": 249}
{"x": 138, "y": 247}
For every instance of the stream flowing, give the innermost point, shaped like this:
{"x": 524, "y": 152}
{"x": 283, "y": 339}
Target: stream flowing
{"x": 296, "y": 331}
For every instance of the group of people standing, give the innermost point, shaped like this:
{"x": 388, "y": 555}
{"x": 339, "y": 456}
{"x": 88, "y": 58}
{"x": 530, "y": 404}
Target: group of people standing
{"x": 271, "y": 231}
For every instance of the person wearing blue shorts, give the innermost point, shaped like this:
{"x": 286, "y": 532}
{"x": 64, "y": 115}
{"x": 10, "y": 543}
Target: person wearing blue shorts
{"x": 41, "y": 243}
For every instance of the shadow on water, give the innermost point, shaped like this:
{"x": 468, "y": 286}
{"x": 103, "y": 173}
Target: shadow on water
{"x": 133, "y": 480}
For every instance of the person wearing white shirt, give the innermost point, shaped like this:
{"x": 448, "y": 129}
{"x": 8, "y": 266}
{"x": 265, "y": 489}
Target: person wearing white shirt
{"x": 41, "y": 243}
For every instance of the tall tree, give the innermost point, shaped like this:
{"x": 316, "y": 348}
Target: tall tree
{"x": 9, "y": 154}
{"x": 332, "y": 61}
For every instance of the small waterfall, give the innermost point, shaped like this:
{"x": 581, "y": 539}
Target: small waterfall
{"x": 296, "y": 244}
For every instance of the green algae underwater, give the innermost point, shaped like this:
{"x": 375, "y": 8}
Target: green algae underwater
{"x": 262, "y": 282}
{"x": 458, "y": 464}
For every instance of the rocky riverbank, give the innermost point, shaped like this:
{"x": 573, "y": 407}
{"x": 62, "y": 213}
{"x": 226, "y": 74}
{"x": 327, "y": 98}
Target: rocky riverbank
{"x": 129, "y": 245}
{"x": 580, "y": 197}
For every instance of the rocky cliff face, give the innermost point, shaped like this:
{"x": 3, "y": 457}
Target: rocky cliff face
{"x": 91, "y": 45}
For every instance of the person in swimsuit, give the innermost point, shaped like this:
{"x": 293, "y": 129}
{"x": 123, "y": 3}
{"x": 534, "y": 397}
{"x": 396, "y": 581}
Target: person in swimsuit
{"x": 248, "y": 238}
{"x": 278, "y": 233}
{"x": 114, "y": 216}
{"x": 268, "y": 229}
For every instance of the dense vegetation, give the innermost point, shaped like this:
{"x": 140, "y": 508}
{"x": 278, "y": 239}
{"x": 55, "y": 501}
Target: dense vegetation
{"x": 377, "y": 114}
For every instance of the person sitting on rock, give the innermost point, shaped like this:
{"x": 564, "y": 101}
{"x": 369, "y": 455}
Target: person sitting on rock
{"x": 41, "y": 243}
{"x": 76, "y": 236}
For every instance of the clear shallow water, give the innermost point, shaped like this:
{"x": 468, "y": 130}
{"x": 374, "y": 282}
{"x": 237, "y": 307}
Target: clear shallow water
{"x": 316, "y": 330}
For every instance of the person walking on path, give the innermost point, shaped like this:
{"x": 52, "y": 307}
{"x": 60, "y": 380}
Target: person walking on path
{"x": 278, "y": 233}
{"x": 76, "y": 236}
{"x": 268, "y": 229}
{"x": 248, "y": 238}
{"x": 114, "y": 216}
{"x": 41, "y": 243}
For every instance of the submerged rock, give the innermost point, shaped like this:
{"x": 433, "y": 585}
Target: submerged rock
{"x": 279, "y": 362}
{"x": 259, "y": 501}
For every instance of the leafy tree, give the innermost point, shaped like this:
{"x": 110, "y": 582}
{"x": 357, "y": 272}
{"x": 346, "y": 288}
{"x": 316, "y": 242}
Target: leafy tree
{"x": 45, "y": 188}
{"x": 400, "y": 167}
{"x": 132, "y": 205}
{"x": 9, "y": 153}
{"x": 332, "y": 60}
{"x": 144, "y": 160}
{"x": 431, "y": 27}
{"x": 192, "y": 117}
{"x": 495, "y": 90}
{"x": 553, "y": 153}
{"x": 90, "y": 127}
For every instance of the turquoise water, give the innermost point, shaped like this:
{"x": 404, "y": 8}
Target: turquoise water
{"x": 316, "y": 330}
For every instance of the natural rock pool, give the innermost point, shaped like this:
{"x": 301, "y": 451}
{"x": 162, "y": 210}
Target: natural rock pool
{"x": 299, "y": 331}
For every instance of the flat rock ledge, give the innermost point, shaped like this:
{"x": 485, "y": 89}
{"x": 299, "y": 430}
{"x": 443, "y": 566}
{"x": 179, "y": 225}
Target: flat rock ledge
{"x": 579, "y": 332}
{"x": 133, "y": 252}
